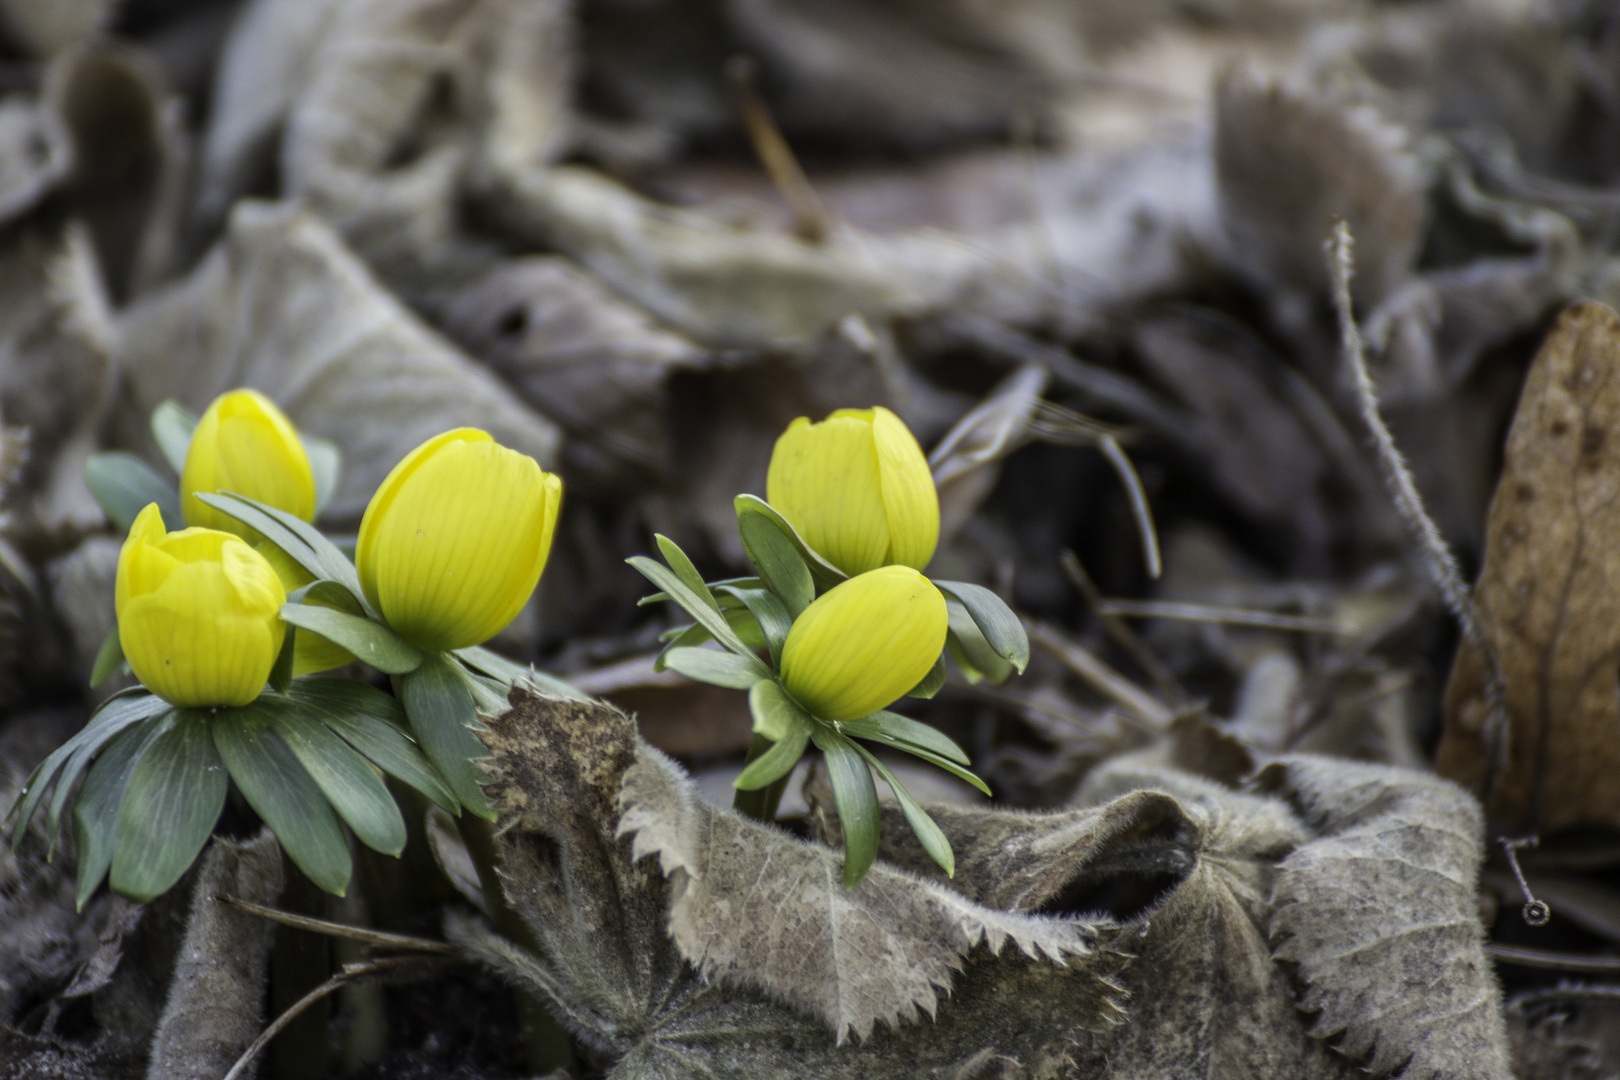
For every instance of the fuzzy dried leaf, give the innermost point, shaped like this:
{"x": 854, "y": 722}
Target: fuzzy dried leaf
{"x": 1548, "y": 596}
{"x": 613, "y": 972}
{"x": 1379, "y": 914}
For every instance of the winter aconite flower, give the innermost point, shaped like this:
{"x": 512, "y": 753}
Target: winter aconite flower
{"x": 453, "y": 542}
{"x": 864, "y": 643}
{"x": 857, "y": 488}
{"x": 245, "y": 445}
{"x": 197, "y": 613}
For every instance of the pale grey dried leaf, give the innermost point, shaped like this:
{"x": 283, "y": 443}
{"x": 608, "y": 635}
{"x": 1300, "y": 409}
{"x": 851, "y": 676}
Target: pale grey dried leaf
{"x": 1378, "y": 913}
{"x": 751, "y": 906}
{"x": 213, "y": 1009}
{"x": 48, "y": 27}
{"x": 81, "y": 584}
{"x": 678, "y": 715}
{"x": 1544, "y": 1049}
{"x": 621, "y": 984}
{"x": 1289, "y": 161}
{"x": 282, "y": 306}
{"x": 34, "y": 155}
{"x": 588, "y": 359}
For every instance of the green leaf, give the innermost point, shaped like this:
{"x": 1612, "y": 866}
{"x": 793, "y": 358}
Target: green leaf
{"x": 302, "y": 541}
{"x": 327, "y": 593}
{"x": 928, "y": 833}
{"x": 931, "y": 682}
{"x": 1002, "y": 629}
{"x": 367, "y": 639}
{"x": 779, "y": 760}
{"x": 282, "y": 792}
{"x": 684, "y": 570}
{"x": 123, "y": 485}
{"x": 967, "y": 646}
{"x": 108, "y": 657}
{"x": 95, "y": 811}
{"x": 680, "y": 637}
{"x": 325, "y": 462}
{"x": 825, "y": 574}
{"x": 374, "y": 724}
{"x": 900, "y": 731}
{"x": 114, "y": 717}
{"x": 281, "y": 672}
{"x": 856, "y": 798}
{"x": 174, "y": 795}
{"x": 940, "y": 763}
{"x": 439, "y": 706}
{"x": 778, "y": 561}
{"x": 718, "y": 668}
{"x": 704, "y": 612}
{"x": 770, "y": 615}
{"x": 510, "y": 671}
{"x": 349, "y": 783}
{"x": 172, "y": 427}
{"x": 775, "y": 713}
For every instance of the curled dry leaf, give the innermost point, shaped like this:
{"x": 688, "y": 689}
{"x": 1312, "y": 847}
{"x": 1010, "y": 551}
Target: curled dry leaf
{"x": 1548, "y": 597}
{"x": 282, "y": 306}
{"x": 614, "y": 973}
{"x": 1379, "y": 913}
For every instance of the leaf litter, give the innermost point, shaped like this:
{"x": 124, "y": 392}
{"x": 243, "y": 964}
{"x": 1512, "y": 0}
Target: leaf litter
{"x": 1216, "y": 848}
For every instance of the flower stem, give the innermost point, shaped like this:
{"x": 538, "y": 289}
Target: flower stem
{"x": 545, "y": 1041}
{"x": 761, "y": 805}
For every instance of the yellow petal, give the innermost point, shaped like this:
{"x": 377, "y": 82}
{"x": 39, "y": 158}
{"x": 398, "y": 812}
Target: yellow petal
{"x": 245, "y": 444}
{"x": 141, "y": 565}
{"x": 824, "y": 479}
{"x": 454, "y": 543}
{"x": 864, "y": 643}
{"x": 910, "y": 500}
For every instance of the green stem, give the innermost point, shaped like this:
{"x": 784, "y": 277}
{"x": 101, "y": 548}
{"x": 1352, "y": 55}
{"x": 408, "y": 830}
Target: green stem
{"x": 299, "y": 962}
{"x": 545, "y": 1040}
{"x": 761, "y": 805}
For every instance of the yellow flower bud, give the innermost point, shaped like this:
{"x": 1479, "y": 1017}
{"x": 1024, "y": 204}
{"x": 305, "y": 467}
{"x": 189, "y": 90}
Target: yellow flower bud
{"x": 197, "y": 613}
{"x": 244, "y": 444}
{"x": 453, "y": 542}
{"x": 864, "y": 643}
{"x": 857, "y": 488}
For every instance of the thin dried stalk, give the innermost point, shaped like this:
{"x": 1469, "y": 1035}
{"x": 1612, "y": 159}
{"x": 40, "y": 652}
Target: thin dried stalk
{"x": 1269, "y": 620}
{"x": 379, "y": 938}
{"x": 1104, "y": 678}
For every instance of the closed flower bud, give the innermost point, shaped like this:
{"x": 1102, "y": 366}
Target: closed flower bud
{"x": 864, "y": 643}
{"x": 857, "y": 488}
{"x": 198, "y": 613}
{"x": 453, "y": 542}
{"x": 245, "y": 445}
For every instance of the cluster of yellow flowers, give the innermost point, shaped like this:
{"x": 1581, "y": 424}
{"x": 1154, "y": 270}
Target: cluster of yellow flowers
{"x": 450, "y": 549}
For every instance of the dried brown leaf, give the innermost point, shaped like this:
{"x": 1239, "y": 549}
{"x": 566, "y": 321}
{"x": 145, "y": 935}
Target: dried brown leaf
{"x": 1379, "y": 914}
{"x": 1548, "y": 596}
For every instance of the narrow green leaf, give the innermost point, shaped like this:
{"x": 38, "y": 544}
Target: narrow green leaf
{"x": 115, "y": 716}
{"x": 779, "y": 760}
{"x": 374, "y": 724}
{"x": 931, "y": 682}
{"x": 172, "y": 427}
{"x": 775, "y": 713}
{"x": 367, "y": 639}
{"x": 95, "y": 811}
{"x": 770, "y": 616}
{"x": 281, "y": 672}
{"x": 282, "y": 792}
{"x": 349, "y": 783}
{"x": 509, "y": 672}
{"x": 896, "y": 730}
{"x": 705, "y": 613}
{"x": 939, "y": 763}
{"x": 1002, "y": 629}
{"x": 778, "y": 561}
{"x": 680, "y": 637}
{"x": 174, "y": 795}
{"x": 108, "y": 657}
{"x": 123, "y": 485}
{"x": 663, "y": 597}
{"x": 325, "y": 462}
{"x": 684, "y": 570}
{"x": 302, "y": 541}
{"x": 928, "y": 833}
{"x": 967, "y": 646}
{"x": 439, "y": 706}
{"x": 856, "y": 798}
{"x": 825, "y": 574}
{"x": 721, "y": 669}
{"x": 328, "y": 593}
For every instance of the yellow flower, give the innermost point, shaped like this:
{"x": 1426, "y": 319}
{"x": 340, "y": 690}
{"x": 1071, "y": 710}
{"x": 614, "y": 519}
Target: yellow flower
{"x": 244, "y": 444}
{"x": 311, "y": 652}
{"x": 454, "y": 541}
{"x": 864, "y": 643}
{"x": 857, "y": 488}
{"x": 197, "y": 613}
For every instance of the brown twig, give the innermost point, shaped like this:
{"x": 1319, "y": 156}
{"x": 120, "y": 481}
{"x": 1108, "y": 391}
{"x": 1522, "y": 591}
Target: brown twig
{"x": 1269, "y": 620}
{"x": 1105, "y": 679}
{"x": 810, "y": 219}
{"x": 1116, "y": 628}
{"x": 378, "y": 938}
{"x": 1552, "y": 959}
